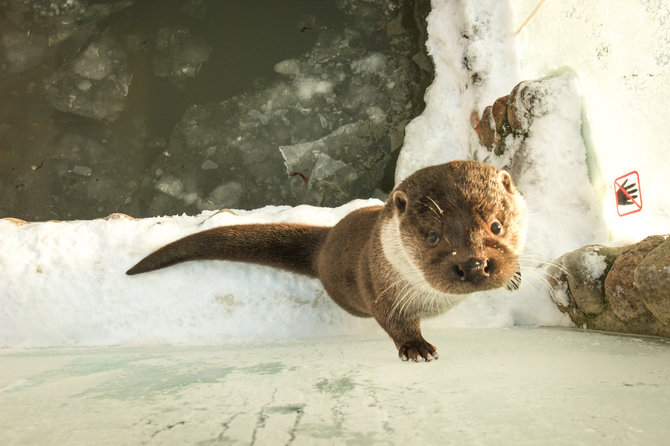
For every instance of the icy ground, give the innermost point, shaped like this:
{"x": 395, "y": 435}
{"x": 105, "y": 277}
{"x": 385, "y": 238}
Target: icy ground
{"x": 490, "y": 386}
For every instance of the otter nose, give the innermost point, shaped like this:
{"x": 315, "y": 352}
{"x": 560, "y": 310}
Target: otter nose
{"x": 474, "y": 270}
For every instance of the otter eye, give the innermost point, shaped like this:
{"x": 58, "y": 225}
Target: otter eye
{"x": 496, "y": 227}
{"x": 432, "y": 238}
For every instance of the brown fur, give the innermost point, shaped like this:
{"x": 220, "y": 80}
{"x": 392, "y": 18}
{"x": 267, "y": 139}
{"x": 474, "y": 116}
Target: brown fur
{"x": 433, "y": 242}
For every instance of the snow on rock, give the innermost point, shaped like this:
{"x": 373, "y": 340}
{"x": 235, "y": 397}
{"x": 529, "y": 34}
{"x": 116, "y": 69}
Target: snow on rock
{"x": 472, "y": 47}
{"x": 548, "y": 165}
{"x": 621, "y": 289}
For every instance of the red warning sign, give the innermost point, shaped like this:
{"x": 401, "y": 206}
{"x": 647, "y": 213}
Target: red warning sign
{"x": 628, "y": 194}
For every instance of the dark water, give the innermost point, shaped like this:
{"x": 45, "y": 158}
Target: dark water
{"x": 93, "y": 96}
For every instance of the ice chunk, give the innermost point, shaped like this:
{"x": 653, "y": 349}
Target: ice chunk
{"x": 374, "y": 63}
{"x": 287, "y": 67}
{"x": 94, "y": 62}
{"x": 82, "y": 170}
{"x": 311, "y": 86}
{"x": 331, "y": 168}
{"x": 65, "y": 18}
{"x": 208, "y": 165}
{"x": 95, "y": 84}
{"x": 171, "y": 186}
{"x": 226, "y": 196}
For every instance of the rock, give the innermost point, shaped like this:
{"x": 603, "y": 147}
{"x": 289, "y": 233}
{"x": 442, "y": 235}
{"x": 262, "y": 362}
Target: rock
{"x": 488, "y": 129}
{"x": 499, "y": 111}
{"x": 16, "y": 221}
{"x": 623, "y": 296}
{"x": 652, "y": 278}
{"x": 585, "y": 281}
{"x": 622, "y": 289}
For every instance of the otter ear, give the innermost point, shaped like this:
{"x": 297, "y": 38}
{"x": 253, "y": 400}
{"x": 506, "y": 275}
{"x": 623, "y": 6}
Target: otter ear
{"x": 506, "y": 180}
{"x": 400, "y": 201}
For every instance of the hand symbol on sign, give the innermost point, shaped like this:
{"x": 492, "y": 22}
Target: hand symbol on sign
{"x": 621, "y": 197}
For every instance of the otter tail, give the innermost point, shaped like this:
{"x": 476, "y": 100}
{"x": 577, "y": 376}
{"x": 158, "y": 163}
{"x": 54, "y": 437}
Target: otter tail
{"x": 292, "y": 247}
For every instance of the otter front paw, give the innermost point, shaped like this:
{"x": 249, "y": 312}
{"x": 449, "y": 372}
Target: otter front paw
{"x": 417, "y": 351}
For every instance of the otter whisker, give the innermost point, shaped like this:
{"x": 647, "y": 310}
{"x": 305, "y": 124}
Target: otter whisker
{"x": 436, "y": 205}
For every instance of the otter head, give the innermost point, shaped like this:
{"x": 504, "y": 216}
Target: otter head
{"x": 461, "y": 227}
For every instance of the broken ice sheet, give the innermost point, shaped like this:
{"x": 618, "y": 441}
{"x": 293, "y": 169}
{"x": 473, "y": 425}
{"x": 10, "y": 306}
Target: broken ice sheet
{"x": 341, "y": 98}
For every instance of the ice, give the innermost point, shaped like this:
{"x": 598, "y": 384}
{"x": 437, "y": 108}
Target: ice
{"x": 66, "y": 18}
{"x": 309, "y": 87}
{"x": 490, "y": 386}
{"x": 335, "y": 171}
{"x": 374, "y": 63}
{"x": 82, "y": 170}
{"x": 22, "y": 49}
{"x": 95, "y": 84}
{"x": 82, "y": 176}
{"x": 180, "y": 55}
{"x": 288, "y": 67}
{"x": 227, "y": 195}
{"x": 94, "y": 62}
{"x": 374, "y": 81}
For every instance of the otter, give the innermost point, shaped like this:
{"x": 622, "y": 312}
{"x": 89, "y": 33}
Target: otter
{"x": 446, "y": 231}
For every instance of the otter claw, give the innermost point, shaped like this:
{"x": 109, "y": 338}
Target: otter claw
{"x": 418, "y": 352}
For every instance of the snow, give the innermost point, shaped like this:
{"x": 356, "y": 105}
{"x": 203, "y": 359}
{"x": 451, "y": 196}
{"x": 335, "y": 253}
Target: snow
{"x": 78, "y": 274}
{"x": 594, "y": 265}
{"x": 442, "y": 132}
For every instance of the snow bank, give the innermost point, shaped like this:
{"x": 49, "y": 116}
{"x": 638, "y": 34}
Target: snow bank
{"x": 64, "y": 284}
